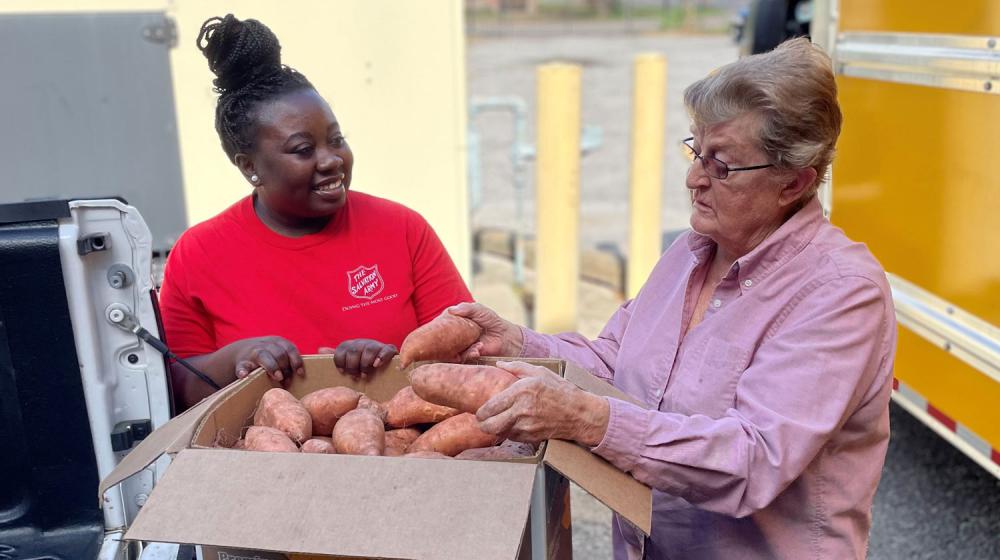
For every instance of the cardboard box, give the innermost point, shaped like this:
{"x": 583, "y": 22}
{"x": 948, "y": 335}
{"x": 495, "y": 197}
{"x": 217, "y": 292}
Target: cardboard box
{"x": 305, "y": 505}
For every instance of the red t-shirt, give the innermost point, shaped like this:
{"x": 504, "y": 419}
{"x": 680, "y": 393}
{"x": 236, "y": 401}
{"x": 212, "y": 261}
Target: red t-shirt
{"x": 377, "y": 270}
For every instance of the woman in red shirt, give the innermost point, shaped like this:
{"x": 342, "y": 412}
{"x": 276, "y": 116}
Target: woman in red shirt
{"x": 303, "y": 263}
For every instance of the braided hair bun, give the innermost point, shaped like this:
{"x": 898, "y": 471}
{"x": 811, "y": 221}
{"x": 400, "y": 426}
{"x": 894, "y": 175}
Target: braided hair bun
{"x": 238, "y": 52}
{"x": 245, "y": 57}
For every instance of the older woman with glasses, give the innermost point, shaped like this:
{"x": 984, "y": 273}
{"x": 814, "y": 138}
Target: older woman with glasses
{"x": 762, "y": 343}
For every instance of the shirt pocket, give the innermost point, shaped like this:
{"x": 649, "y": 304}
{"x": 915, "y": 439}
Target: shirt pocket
{"x": 706, "y": 382}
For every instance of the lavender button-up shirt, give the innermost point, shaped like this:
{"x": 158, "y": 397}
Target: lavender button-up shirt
{"x": 768, "y": 422}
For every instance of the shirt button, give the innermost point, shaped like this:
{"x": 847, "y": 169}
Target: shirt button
{"x": 748, "y": 283}
{"x": 717, "y": 303}
{"x": 659, "y": 393}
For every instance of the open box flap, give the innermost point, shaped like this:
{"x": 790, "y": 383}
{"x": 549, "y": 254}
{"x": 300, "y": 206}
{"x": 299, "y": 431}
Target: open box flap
{"x": 370, "y": 507}
{"x": 625, "y": 495}
{"x": 168, "y": 438}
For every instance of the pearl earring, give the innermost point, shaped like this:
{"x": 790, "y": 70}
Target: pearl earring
{"x": 254, "y": 179}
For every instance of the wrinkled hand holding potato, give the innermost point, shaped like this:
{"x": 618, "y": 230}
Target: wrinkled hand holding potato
{"x": 541, "y": 405}
{"x": 444, "y": 338}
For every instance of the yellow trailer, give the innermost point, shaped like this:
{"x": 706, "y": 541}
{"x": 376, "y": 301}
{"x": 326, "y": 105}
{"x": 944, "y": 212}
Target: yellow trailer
{"x": 917, "y": 179}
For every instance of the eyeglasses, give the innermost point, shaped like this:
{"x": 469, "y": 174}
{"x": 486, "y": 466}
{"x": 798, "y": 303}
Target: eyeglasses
{"x": 714, "y": 167}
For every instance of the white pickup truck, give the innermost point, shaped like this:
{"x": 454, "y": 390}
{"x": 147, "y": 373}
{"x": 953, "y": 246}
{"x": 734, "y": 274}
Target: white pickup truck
{"x": 78, "y": 387}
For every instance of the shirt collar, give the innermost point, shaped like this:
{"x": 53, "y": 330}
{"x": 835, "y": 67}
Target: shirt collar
{"x": 787, "y": 241}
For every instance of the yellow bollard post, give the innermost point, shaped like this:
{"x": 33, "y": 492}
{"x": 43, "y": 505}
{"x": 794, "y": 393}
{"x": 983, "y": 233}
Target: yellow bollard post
{"x": 557, "y": 188}
{"x": 649, "y": 90}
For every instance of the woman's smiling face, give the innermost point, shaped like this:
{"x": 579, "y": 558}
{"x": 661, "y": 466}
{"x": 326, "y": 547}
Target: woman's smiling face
{"x": 301, "y": 159}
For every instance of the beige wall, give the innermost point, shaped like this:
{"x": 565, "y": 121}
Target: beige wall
{"x": 394, "y": 73}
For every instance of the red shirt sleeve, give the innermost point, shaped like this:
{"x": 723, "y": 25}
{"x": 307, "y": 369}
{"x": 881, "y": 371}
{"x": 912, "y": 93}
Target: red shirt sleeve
{"x": 186, "y": 324}
{"x": 437, "y": 284}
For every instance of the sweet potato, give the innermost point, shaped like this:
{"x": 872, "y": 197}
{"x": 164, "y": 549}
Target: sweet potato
{"x": 465, "y": 387}
{"x": 427, "y": 455}
{"x": 396, "y": 441}
{"x": 444, "y": 338}
{"x": 406, "y": 409}
{"x": 453, "y": 436}
{"x": 377, "y": 408}
{"x": 506, "y": 450}
{"x": 265, "y": 438}
{"x": 359, "y": 432}
{"x": 280, "y": 409}
{"x": 326, "y": 406}
{"x": 317, "y": 445}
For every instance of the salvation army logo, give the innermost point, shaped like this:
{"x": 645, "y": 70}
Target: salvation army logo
{"x": 365, "y": 282}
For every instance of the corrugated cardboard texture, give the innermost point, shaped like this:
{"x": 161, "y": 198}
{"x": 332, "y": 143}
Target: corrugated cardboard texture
{"x": 322, "y": 372}
{"x": 295, "y": 503}
{"x": 217, "y": 553}
{"x": 169, "y": 438}
{"x": 360, "y": 507}
{"x": 215, "y": 429}
{"x": 602, "y": 480}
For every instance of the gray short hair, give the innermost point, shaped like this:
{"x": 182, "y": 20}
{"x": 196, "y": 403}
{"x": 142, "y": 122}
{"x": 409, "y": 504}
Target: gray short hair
{"x": 793, "y": 91}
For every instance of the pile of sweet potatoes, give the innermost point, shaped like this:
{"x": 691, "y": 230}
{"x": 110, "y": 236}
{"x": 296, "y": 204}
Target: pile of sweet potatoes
{"x": 433, "y": 417}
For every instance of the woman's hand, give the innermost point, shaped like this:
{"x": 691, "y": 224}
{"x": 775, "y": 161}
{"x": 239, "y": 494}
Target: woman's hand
{"x": 361, "y": 355}
{"x": 541, "y": 405}
{"x": 277, "y": 355}
{"x": 500, "y": 337}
